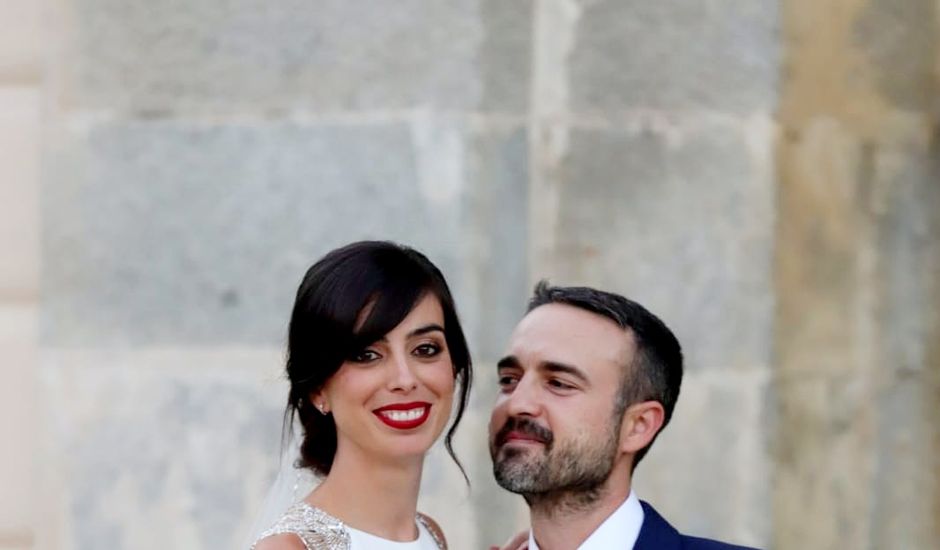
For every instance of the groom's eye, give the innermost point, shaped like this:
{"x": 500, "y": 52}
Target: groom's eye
{"x": 559, "y": 384}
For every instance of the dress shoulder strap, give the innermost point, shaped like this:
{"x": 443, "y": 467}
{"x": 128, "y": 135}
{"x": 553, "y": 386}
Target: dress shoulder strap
{"x": 436, "y": 533}
{"x": 314, "y": 527}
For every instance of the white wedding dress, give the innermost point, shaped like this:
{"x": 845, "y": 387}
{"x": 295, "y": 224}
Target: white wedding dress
{"x": 317, "y": 529}
{"x": 321, "y": 531}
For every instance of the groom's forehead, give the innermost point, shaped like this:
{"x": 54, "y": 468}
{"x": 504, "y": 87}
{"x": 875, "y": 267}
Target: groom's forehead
{"x": 568, "y": 335}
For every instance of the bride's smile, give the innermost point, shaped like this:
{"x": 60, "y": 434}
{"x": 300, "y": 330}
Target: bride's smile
{"x": 404, "y": 416}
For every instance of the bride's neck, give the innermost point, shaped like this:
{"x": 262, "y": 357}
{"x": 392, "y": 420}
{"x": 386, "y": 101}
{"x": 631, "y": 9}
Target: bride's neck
{"x": 379, "y": 497}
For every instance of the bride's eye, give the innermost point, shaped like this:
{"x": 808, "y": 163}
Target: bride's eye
{"x": 365, "y": 356}
{"x": 427, "y": 350}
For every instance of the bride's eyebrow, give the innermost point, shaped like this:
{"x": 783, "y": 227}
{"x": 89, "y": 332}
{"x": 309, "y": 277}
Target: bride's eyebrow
{"x": 433, "y": 327}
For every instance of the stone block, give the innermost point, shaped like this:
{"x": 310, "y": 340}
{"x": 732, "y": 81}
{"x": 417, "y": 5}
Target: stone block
{"x": 494, "y": 277}
{"x": 678, "y": 218}
{"x": 328, "y": 56}
{"x": 823, "y": 482}
{"x": 18, "y": 421}
{"x": 907, "y": 229}
{"x": 19, "y": 194}
{"x": 900, "y": 42}
{"x": 158, "y": 232}
{"x": 16, "y": 541}
{"x": 907, "y": 462}
{"x": 907, "y": 367}
{"x": 675, "y": 54}
{"x": 20, "y": 39}
{"x": 167, "y": 448}
{"x": 709, "y": 473}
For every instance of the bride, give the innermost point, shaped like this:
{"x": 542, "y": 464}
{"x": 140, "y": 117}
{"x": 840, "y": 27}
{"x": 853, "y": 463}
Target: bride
{"x": 376, "y": 355}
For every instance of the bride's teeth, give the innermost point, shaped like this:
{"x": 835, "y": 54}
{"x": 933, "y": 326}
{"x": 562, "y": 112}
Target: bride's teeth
{"x": 405, "y": 416}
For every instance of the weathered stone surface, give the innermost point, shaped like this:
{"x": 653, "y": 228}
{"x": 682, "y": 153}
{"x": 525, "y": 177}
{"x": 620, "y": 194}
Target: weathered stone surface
{"x": 818, "y": 275}
{"x": 908, "y": 467}
{"x": 18, "y": 424}
{"x": 494, "y": 236}
{"x": 857, "y": 322}
{"x": 165, "y": 232}
{"x": 174, "y": 233}
{"x": 20, "y": 41}
{"x": 897, "y": 36}
{"x": 328, "y": 56}
{"x": 679, "y": 219}
{"x": 826, "y": 339}
{"x": 908, "y": 374}
{"x": 675, "y": 55}
{"x": 709, "y": 473}
{"x": 159, "y": 449}
{"x": 825, "y": 428}
{"x": 19, "y": 193}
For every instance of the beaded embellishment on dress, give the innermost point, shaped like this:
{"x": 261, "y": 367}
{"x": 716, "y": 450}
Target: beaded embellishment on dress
{"x": 315, "y": 528}
{"x": 321, "y": 531}
{"x": 433, "y": 530}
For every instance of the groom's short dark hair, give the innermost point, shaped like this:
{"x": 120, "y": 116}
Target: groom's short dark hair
{"x": 656, "y": 371}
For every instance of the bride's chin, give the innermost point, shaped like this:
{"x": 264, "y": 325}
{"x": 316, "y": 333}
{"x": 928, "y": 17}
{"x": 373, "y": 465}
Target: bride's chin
{"x": 406, "y": 450}
{"x": 405, "y": 445}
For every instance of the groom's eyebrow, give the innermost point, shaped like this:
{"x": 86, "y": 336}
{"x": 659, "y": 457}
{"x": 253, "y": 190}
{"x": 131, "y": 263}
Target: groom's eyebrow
{"x": 510, "y": 362}
{"x": 553, "y": 366}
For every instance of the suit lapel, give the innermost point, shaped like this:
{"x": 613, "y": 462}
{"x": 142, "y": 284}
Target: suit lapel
{"x": 656, "y": 533}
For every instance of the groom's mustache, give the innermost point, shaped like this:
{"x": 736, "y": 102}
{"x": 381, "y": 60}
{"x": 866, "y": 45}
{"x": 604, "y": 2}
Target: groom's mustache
{"x": 523, "y": 426}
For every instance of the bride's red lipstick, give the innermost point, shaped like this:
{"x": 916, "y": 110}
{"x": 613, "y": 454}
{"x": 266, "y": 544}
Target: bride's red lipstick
{"x": 404, "y": 416}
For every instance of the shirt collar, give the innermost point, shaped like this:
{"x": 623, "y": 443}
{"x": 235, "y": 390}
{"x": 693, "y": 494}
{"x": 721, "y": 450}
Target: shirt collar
{"x": 619, "y": 530}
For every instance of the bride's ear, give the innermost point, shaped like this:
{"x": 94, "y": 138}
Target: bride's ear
{"x": 318, "y": 399}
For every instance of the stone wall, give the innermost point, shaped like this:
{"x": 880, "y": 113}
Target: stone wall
{"x": 761, "y": 173}
{"x": 20, "y": 130}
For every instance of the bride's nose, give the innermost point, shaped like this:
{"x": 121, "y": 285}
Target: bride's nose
{"x": 401, "y": 376}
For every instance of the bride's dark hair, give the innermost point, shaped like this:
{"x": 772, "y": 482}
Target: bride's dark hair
{"x": 326, "y": 329}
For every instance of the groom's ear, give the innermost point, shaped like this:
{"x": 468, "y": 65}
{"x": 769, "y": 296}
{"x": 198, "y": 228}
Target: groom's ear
{"x": 641, "y": 422}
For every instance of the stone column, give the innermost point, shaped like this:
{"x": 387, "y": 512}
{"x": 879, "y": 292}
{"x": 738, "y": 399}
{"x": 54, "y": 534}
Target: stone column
{"x": 20, "y": 85}
{"x": 858, "y": 277}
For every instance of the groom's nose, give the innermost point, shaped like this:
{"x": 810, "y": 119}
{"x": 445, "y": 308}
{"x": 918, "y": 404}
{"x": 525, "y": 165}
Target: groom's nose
{"x": 524, "y": 399}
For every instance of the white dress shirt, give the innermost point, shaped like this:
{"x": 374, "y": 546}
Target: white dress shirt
{"x": 620, "y": 530}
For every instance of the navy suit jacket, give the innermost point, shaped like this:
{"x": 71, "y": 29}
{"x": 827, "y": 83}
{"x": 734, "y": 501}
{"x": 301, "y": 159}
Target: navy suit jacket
{"x": 657, "y": 534}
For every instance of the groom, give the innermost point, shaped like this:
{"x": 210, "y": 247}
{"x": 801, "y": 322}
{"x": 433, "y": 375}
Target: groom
{"x": 589, "y": 381}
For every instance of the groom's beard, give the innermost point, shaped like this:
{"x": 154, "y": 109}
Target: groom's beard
{"x": 567, "y": 473}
